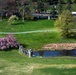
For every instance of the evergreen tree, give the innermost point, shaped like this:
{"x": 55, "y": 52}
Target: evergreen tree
{"x": 65, "y": 22}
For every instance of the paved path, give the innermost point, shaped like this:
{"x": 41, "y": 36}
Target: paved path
{"x": 37, "y": 31}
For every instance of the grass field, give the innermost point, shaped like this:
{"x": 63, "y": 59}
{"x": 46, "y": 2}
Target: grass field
{"x": 13, "y": 63}
{"x": 27, "y": 26}
{"x": 34, "y": 40}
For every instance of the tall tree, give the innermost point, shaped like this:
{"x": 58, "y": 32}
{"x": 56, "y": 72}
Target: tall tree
{"x": 40, "y": 6}
{"x": 53, "y": 12}
{"x": 74, "y": 1}
{"x": 70, "y": 1}
{"x": 59, "y": 6}
{"x": 68, "y": 5}
{"x": 65, "y": 22}
{"x": 24, "y": 8}
{"x": 2, "y": 6}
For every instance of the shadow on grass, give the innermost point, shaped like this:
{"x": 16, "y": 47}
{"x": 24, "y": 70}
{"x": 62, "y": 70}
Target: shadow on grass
{"x": 18, "y": 23}
{"x": 10, "y": 49}
{"x": 55, "y": 71}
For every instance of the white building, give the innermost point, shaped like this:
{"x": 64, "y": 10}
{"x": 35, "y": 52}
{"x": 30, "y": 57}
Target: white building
{"x": 74, "y": 13}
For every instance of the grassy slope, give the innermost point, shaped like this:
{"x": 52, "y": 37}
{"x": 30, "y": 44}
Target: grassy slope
{"x": 35, "y": 40}
{"x": 13, "y": 63}
{"x": 38, "y": 40}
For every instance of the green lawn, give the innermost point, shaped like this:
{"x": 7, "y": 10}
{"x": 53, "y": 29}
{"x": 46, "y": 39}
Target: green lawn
{"x": 34, "y": 40}
{"x": 14, "y": 63}
{"x": 26, "y": 26}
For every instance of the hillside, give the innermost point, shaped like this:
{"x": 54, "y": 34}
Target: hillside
{"x": 34, "y": 40}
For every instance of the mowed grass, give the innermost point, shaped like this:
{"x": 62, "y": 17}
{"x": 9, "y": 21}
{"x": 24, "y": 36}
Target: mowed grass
{"x": 18, "y": 26}
{"x": 14, "y": 63}
{"x": 35, "y": 41}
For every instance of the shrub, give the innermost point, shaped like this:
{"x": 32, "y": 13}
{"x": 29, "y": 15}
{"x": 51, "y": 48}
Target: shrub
{"x": 29, "y": 17}
{"x": 12, "y": 19}
{"x": 66, "y": 23}
{"x": 8, "y": 42}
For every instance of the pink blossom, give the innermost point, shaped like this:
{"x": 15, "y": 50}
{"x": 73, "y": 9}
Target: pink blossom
{"x": 8, "y": 41}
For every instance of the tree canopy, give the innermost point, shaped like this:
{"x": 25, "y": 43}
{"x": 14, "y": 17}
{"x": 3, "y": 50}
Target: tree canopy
{"x": 65, "y": 22}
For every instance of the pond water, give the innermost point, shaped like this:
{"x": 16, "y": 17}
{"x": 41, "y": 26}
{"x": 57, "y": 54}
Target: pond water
{"x": 55, "y": 53}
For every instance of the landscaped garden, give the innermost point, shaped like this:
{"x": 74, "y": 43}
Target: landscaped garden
{"x": 12, "y": 62}
{"x": 32, "y": 45}
{"x": 34, "y": 40}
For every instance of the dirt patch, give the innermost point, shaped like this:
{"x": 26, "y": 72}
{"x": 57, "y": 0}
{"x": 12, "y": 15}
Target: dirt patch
{"x": 60, "y": 46}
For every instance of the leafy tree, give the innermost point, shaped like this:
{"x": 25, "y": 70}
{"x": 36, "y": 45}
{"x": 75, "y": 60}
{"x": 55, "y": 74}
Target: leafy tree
{"x": 2, "y": 6}
{"x": 62, "y": 1}
{"x": 65, "y": 23}
{"x": 70, "y": 1}
{"x": 74, "y": 1}
{"x": 24, "y": 8}
{"x": 40, "y": 6}
{"x": 53, "y": 12}
{"x": 59, "y": 6}
{"x": 68, "y": 5}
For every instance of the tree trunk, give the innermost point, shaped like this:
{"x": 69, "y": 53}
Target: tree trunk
{"x": 23, "y": 15}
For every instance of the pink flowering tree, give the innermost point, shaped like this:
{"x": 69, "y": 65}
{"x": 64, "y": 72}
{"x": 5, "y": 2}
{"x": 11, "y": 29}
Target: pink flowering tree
{"x": 8, "y": 42}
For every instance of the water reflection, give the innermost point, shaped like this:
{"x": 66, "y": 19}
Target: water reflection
{"x": 49, "y": 53}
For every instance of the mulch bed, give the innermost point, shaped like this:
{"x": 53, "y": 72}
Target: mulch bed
{"x": 60, "y": 46}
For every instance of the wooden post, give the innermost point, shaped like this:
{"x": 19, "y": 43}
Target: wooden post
{"x": 48, "y": 17}
{"x": 29, "y": 52}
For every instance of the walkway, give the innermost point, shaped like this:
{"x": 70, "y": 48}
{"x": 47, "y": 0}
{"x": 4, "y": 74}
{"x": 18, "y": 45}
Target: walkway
{"x": 37, "y": 31}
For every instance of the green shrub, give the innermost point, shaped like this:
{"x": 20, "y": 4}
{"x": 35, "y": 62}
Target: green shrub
{"x": 12, "y": 19}
{"x": 66, "y": 23}
{"x": 29, "y": 17}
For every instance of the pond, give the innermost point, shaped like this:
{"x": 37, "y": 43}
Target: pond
{"x": 49, "y": 53}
